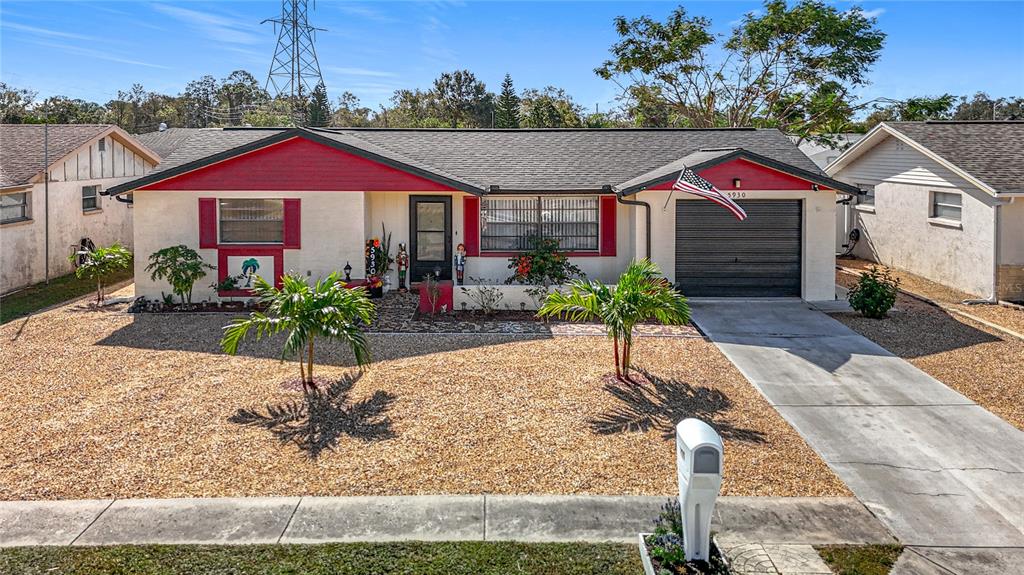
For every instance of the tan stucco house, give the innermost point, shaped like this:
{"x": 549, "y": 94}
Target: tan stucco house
{"x": 944, "y": 200}
{"x": 306, "y": 200}
{"x": 39, "y": 218}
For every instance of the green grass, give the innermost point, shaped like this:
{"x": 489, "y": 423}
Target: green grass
{"x": 335, "y": 559}
{"x": 860, "y": 559}
{"x": 39, "y": 296}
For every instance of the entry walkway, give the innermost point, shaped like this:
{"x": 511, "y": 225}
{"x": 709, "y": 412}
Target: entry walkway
{"x": 937, "y": 469}
{"x": 245, "y": 520}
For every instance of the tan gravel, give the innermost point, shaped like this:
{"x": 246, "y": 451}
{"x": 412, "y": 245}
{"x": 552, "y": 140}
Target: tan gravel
{"x": 984, "y": 364}
{"x": 1011, "y": 318}
{"x": 104, "y": 404}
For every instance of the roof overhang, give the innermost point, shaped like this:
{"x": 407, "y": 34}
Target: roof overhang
{"x": 15, "y": 188}
{"x": 703, "y": 159}
{"x": 882, "y": 131}
{"x": 282, "y": 136}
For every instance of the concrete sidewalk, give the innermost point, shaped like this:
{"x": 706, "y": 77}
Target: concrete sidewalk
{"x": 937, "y": 469}
{"x": 419, "y": 518}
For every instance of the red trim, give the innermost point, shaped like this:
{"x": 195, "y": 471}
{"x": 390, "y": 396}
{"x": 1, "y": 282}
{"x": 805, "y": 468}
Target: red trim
{"x": 207, "y": 223}
{"x": 298, "y": 164}
{"x": 292, "y": 224}
{"x": 471, "y": 225}
{"x": 514, "y": 254}
{"x": 242, "y": 250}
{"x": 752, "y": 176}
{"x": 607, "y": 219}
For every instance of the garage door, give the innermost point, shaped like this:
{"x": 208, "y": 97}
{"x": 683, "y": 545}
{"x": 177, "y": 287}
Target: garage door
{"x": 720, "y": 256}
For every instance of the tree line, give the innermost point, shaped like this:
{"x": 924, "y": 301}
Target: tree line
{"x": 797, "y": 67}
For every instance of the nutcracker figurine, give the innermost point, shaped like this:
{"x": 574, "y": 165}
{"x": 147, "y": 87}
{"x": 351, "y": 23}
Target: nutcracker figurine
{"x": 460, "y": 262}
{"x": 402, "y": 261}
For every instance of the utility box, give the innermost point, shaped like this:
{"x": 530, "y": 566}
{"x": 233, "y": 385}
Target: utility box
{"x": 699, "y": 458}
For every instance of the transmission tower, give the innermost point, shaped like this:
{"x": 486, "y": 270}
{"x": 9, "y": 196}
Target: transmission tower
{"x": 295, "y": 70}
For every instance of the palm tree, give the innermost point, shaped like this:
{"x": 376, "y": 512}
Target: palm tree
{"x": 327, "y": 309}
{"x": 641, "y": 294}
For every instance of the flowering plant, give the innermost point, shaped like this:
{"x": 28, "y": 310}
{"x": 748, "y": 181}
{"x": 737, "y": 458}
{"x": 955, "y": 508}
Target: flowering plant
{"x": 543, "y": 265}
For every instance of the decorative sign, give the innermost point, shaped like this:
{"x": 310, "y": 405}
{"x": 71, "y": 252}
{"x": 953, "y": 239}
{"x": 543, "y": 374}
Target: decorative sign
{"x": 246, "y": 268}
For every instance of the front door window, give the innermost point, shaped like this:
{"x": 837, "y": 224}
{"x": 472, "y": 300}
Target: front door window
{"x": 431, "y": 233}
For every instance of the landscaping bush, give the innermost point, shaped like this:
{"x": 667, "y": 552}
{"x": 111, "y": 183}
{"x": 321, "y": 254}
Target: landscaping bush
{"x": 100, "y": 263}
{"x": 181, "y": 267}
{"x": 665, "y": 546}
{"x": 875, "y": 292}
{"x": 485, "y": 297}
{"x": 541, "y": 267}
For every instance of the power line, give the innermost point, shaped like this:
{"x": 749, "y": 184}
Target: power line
{"x": 294, "y": 70}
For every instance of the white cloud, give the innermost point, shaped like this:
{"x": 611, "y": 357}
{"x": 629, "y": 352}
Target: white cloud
{"x": 874, "y": 13}
{"x": 365, "y": 12}
{"x": 44, "y": 31}
{"x": 753, "y": 13}
{"x": 99, "y": 54}
{"x": 347, "y": 71}
{"x": 215, "y": 27}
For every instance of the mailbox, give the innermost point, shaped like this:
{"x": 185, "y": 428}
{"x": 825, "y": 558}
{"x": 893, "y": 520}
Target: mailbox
{"x": 699, "y": 465}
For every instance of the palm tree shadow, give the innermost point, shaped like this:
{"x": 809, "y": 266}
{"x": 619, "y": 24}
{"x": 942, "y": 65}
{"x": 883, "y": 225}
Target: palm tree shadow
{"x": 322, "y": 416}
{"x": 657, "y": 403}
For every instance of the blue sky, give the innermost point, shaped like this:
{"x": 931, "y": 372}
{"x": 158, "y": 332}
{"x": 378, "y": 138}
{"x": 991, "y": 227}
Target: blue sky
{"x": 91, "y": 49}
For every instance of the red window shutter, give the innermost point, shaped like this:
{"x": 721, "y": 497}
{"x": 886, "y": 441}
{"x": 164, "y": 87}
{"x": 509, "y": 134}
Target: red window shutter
{"x": 607, "y": 218}
{"x": 471, "y": 224}
{"x": 292, "y": 223}
{"x": 207, "y": 223}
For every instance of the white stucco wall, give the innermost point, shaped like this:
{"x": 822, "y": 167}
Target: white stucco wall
{"x": 817, "y": 251}
{"x": 899, "y": 231}
{"x": 332, "y": 233}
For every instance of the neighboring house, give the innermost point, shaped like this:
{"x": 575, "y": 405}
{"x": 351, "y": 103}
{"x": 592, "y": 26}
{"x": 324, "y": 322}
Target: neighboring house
{"x": 83, "y": 160}
{"x": 944, "y": 200}
{"x": 307, "y": 200}
{"x": 822, "y": 154}
{"x": 166, "y": 140}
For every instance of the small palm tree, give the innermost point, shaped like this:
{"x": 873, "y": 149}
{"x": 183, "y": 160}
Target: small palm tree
{"x": 641, "y": 294}
{"x": 99, "y": 263}
{"x": 327, "y": 309}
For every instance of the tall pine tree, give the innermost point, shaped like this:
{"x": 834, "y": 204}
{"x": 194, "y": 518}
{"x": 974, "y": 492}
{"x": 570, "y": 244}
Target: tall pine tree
{"x": 318, "y": 112}
{"x": 507, "y": 111}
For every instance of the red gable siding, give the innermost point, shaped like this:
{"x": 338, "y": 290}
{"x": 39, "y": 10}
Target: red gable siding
{"x": 752, "y": 176}
{"x": 298, "y": 164}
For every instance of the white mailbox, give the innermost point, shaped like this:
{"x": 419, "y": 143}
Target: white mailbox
{"x": 699, "y": 465}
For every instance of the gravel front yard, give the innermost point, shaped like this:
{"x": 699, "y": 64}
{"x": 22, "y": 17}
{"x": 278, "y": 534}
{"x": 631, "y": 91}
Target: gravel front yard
{"x": 983, "y": 364}
{"x": 105, "y": 404}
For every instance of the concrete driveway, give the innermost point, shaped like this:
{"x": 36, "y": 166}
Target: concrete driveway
{"x": 937, "y": 469}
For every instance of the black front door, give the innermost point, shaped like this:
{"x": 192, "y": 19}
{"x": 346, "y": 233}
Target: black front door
{"x": 430, "y": 246}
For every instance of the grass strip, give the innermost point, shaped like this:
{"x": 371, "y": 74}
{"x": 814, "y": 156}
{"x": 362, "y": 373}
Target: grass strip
{"x": 449, "y": 558}
{"x": 860, "y": 559}
{"x": 40, "y": 295}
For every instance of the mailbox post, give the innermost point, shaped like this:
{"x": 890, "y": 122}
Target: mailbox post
{"x": 699, "y": 466}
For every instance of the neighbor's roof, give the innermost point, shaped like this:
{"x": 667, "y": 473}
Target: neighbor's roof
{"x": 989, "y": 151}
{"x": 514, "y": 160}
{"x": 22, "y": 148}
{"x": 165, "y": 142}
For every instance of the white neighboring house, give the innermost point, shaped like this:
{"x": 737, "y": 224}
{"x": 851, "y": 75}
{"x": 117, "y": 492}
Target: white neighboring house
{"x": 944, "y": 200}
{"x": 823, "y": 155}
{"x": 82, "y": 160}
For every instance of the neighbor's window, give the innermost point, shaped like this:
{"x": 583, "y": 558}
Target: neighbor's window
{"x": 90, "y": 198}
{"x": 946, "y": 205}
{"x": 14, "y": 207}
{"x": 868, "y": 197}
{"x": 506, "y": 224}
{"x": 251, "y": 221}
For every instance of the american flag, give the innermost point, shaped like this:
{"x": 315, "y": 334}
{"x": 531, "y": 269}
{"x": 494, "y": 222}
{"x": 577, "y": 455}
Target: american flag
{"x": 690, "y": 183}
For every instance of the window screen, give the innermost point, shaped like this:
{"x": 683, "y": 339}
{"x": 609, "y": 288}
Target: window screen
{"x": 14, "y": 207}
{"x": 90, "y": 198}
{"x": 251, "y": 221}
{"x": 506, "y": 224}
{"x": 946, "y": 205}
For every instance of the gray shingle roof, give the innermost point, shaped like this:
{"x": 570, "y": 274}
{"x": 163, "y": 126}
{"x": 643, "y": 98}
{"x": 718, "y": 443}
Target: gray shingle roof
{"x": 163, "y": 143}
{"x": 993, "y": 152}
{"x": 22, "y": 148}
{"x": 541, "y": 160}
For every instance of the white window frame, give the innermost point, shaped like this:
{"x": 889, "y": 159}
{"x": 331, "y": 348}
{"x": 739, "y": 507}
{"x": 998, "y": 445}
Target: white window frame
{"x": 934, "y": 203}
{"x": 26, "y": 208}
{"x": 220, "y": 220}
{"x": 862, "y": 204}
{"x": 96, "y": 197}
{"x": 540, "y": 198}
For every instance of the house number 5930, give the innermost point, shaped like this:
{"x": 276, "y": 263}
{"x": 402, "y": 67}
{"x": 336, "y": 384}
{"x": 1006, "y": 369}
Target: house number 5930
{"x": 737, "y": 194}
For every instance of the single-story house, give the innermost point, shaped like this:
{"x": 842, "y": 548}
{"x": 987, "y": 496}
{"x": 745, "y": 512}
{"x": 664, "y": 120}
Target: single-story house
{"x": 68, "y": 211}
{"x": 944, "y": 200}
{"x": 306, "y": 200}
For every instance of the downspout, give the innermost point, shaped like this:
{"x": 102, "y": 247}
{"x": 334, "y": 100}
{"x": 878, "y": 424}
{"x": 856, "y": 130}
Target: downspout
{"x": 46, "y": 196}
{"x": 995, "y": 251}
{"x": 647, "y": 234}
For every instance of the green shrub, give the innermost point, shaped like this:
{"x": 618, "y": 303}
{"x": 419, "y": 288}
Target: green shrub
{"x": 100, "y": 263}
{"x": 875, "y": 292}
{"x": 180, "y": 266}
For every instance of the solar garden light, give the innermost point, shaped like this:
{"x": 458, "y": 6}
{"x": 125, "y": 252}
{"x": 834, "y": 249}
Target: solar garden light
{"x": 699, "y": 466}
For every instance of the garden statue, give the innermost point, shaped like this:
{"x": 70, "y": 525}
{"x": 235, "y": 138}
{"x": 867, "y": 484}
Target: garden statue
{"x": 460, "y": 262}
{"x": 402, "y": 261}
